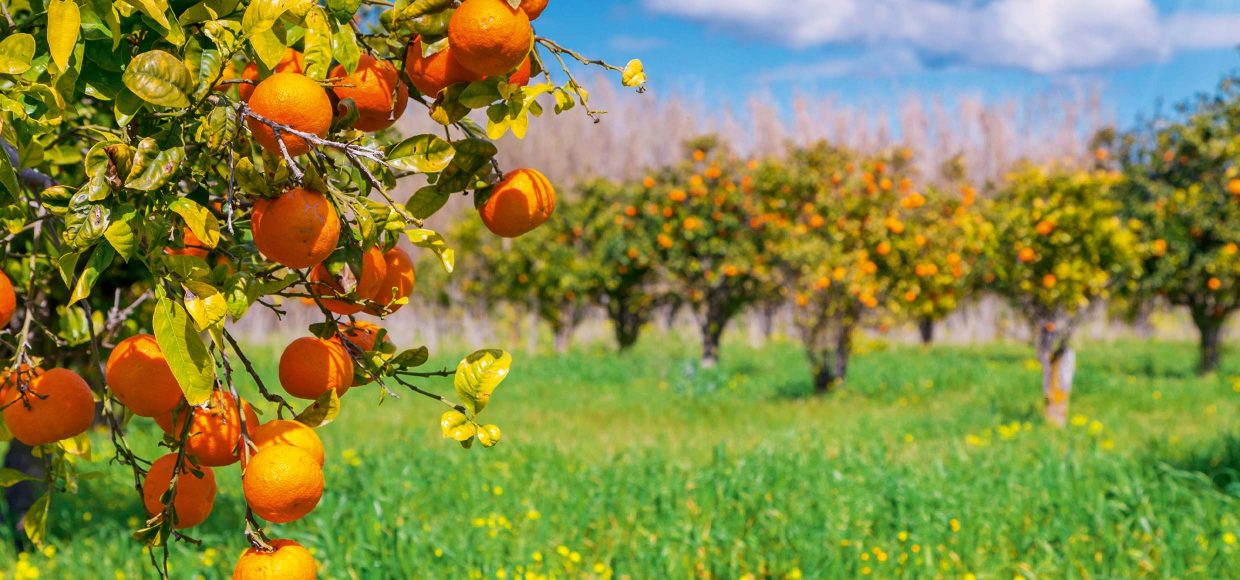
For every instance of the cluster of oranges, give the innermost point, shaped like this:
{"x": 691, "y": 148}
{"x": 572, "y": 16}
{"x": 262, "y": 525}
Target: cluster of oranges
{"x": 486, "y": 38}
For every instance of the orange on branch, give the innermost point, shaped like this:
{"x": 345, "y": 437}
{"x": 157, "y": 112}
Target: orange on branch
{"x": 311, "y": 366}
{"x": 195, "y": 495}
{"x": 286, "y": 432}
{"x": 376, "y": 90}
{"x": 522, "y": 201}
{"x": 58, "y": 405}
{"x": 397, "y": 282}
{"x": 8, "y": 300}
{"x": 361, "y": 334}
{"x": 299, "y": 229}
{"x": 434, "y": 73}
{"x": 324, "y": 284}
{"x": 1027, "y": 255}
{"x": 10, "y": 385}
{"x": 293, "y": 61}
{"x": 533, "y": 8}
{"x": 489, "y": 37}
{"x": 282, "y": 483}
{"x": 214, "y": 432}
{"x": 288, "y": 560}
{"x": 293, "y": 100}
{"x": 190, "y": 246}
{"x": 140, "y": 378}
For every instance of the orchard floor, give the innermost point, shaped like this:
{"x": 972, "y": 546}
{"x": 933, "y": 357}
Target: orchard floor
{"x": 929, "y": 463}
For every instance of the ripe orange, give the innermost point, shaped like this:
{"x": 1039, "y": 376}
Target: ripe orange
{"x": 288, "y": 561}
{"x": 324, "y": 284}
{"x": 292, "y": 62}
{"x": 282, "y": 483}
{"x": 140, "y": 377}
{"x": 286, "y": 432}
{"x": 1049, "y": 280}
{"x": 397, "y": 283}
{"x": 191, "y": 246}
{"x": 434, "y": 73}
{"x": 489, "y": 37}
{"x": 521, "y": 77}
{"x": 8, "y": 300}
{"x": 215, "y": 432}
{"x": 533, "y": 8}
{"x": 1027, "y": 255}
{"x": 372, "y": 86}
{"x": 58, "y": 405}
{"x": 293, "y": 100}
{"x": 1045, "y": 227}
{"x": 520, "y": 202}
{"x": 1233, "y": 186}
{"x": 195, "y": 496}
{"x": 10, "y": 380}
{"x": 299, "y": 229}
{"x": 1214, "y": 284}
{"x": 311, "y": 366}
{"x": 362, "y": 335}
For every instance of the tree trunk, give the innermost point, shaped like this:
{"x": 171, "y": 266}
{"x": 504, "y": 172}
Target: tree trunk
{"x": 1058, "y": 371}
{"x": 23, "y": 495}
{"x": 563, "y": 337}
{"x": 824, "y": 375}
{"x": 925, "y": 327}
{"x": 712, "y": 335}
{"x": 1210, "y": 328}
{"x": 627, "y": 320}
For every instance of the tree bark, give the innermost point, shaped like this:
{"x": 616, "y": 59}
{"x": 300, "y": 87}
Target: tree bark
{"x": 925, "y": 328}
{"x": 1210, "y": 329}
{"x": 627, "y": 319}
{"x": 1058, "y": 371}
{"x": 712, "y": 335}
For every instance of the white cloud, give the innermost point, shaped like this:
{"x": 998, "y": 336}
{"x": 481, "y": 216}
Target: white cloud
{"x": 1043, "y": 36}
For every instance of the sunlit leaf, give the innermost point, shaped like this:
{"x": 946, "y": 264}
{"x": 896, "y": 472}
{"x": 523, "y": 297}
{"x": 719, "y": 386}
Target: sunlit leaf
{"x": 478, "y": 375}
{"x": 434, "y": 242}
{"x": 634, "y": 74}
{"x": 64, "y": 24}
{"x": 424, "y": 153}
{"x": 99, "y": 261}
{"x": 158, "y": 78}
{"x": 35, "y": 520}
{"x": 187, "y": 354}
{"x": 16, "y": 50}
{"x": 205, "y": 305}
{"x": 322, "y": 411}
{"x": 200, "y": 220}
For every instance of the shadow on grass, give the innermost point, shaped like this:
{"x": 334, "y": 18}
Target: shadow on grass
{"x": 1219, "y": 462}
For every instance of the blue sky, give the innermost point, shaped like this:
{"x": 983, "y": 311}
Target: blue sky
{"x": 1138, "y": 51}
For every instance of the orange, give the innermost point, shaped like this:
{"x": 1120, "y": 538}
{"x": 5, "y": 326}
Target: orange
{"x": 293, "y": 100}
{"x": 519, "y": 203}
{"x": 9, "y": 390}
{"x": 58, "y": 405}
{"x": 8, "y": 300}
{"x": 361, "y": 334}
{"x": 1045, "y": 227}
{"x": 302, "y": 230}
{"x": 434, "y": 73}
{"x": 489, "y": 37}
{"x": 372, "y": 86}
{"x": 521, "y": 76}
{"x": 191, "y": 246}
{"x": 1214, "y": 284}
{"x": 1027, "y": 255}
{"x": 323, "y": 283}
{"x": 195, "y": 495}
{"x": 311, "y": 366}
{"x": 215, "y": 432}
{"x": 287, "y": 561}
{"x": 1049, "y": 280}
{"x": 292, "y": 62}
{"x": 397, "y": 283}
{"x": 282, "y": 483}
{"x": 533, "y": 8}
{"x": 286, "y": 432}
{"x": 140, "y": 378}
{"x": 229, "y": 73}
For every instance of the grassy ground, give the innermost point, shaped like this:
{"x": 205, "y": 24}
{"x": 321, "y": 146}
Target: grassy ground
{"x": 929, "y": 463}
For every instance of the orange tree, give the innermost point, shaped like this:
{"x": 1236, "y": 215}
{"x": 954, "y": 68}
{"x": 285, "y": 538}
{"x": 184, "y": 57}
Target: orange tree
{"x": 156, "y": 196}
{"x": 1060, "y": 248}
{"x": 697, "y": 212}
{"x": 1183, "y": 183}
{"x": 826, "y": 216}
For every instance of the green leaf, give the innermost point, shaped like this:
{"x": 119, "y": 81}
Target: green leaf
{"x": 424, "y": 153}
{"x": 479, "y": 94}
{"x": 634, "y": 74}
{"x": 322, "y": 411}
{"x": 208, "y": 10}
{"x": 159, "y": 78}
{"x": 10, "y": 477}
{"x": 318, "y": 44}
{"x": 155, "y": 9}
{"x": 343, "y": 10}
{"x": 151, "y": 173}
{"x": 187, "y": 355}
{"x": 15, "y": 53}
{"x": 269, "y": 48}
{"x": 478, "y": 375}
{"x": 200, "y": 220}
{"x": 221, "y": 127}
{"x": 205, "y": 304}
{"x": 426, "y": 201}
{"x": 121, "y": 235}
{"x": 434, "y": 242}
{"x": 64, "y": 23}
{"x": 345, "y": 47}
{"x": 35, "y": 521}
{"x": 414, "y": 357}
{"x": 8, "y": 177}
{"x": 99, "y": 261}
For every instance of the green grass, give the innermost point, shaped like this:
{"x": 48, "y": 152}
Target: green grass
{"x": 929, "y": 463}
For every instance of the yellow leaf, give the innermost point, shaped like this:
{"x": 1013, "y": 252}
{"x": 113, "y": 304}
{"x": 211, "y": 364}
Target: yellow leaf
{"x": 634, "y": 74}
{"x": 478, "y": 375}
